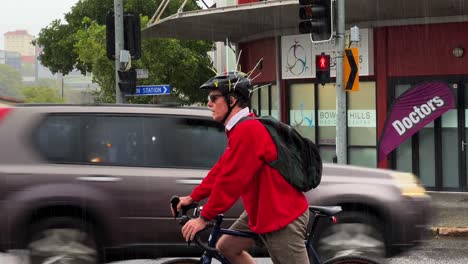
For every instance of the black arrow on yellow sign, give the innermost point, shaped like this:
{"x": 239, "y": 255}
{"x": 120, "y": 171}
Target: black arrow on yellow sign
{"x": 351, "y": 76}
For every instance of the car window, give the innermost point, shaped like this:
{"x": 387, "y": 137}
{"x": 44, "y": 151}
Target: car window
{"x": 58, "y": 138}
{"x": 155, "y": 141}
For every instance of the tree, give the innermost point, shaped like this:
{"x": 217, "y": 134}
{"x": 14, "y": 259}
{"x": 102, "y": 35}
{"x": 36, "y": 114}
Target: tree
{"x": 81, "y": 44}
{"x": 10, "y": 81}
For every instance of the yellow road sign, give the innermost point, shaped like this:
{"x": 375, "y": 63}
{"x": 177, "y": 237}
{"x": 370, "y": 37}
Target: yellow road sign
{"x": 351, "y": 70}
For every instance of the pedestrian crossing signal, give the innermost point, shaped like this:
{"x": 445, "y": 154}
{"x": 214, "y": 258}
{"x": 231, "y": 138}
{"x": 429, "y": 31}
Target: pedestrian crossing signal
{"x": 322, "y": 68}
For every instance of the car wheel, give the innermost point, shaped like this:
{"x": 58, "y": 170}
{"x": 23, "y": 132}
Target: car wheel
{"x": 356, "y": 233}
{"x": 62, "y": 240}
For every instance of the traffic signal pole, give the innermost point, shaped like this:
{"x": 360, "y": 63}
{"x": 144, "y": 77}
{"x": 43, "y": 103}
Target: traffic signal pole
{"x": 341, "y": 127}
{"x": 119, "y": 45}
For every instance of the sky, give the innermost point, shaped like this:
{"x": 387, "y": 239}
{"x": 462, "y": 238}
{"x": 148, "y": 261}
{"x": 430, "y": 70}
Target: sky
{"x": 31, "y": 15}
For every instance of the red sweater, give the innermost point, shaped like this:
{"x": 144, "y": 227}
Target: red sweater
{"x": 242, "y": 171}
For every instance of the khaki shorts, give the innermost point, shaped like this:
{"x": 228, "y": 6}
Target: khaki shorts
{"x": 285, "y": 245}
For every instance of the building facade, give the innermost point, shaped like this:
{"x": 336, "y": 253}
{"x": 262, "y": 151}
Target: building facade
{"x": 397, "y": 50}
{"x": 19, "y": 41}
{"x": 11, "y": 58}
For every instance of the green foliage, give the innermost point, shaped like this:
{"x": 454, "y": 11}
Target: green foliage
{"x": 37, "y": 94}
{"x": 81, "y": 44}
{"x": 91, "y": 50}
{"x": 10, "y": 81}
{"x": 45, "y": 82}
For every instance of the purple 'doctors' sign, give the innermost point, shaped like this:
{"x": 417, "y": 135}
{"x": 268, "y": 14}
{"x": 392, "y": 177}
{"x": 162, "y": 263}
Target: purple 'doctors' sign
{"x": 413, "y": 110}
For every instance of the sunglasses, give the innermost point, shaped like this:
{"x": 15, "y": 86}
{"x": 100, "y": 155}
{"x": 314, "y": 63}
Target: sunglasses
{"x": 212, "y": 97}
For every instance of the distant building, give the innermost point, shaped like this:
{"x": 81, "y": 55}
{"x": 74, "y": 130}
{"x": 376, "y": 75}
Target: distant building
{"x": 11, "y": 58}
{"x": 19, "y": 41}
{"x": 41, "y": 70}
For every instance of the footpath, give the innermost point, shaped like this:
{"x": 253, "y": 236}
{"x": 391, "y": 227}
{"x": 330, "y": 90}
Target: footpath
{"x": 450, "y": 213}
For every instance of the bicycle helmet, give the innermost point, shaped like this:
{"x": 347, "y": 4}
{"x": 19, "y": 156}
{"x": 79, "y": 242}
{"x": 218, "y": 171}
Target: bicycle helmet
{"x": 236, "y": 83}
{"x": 232, "y": 82}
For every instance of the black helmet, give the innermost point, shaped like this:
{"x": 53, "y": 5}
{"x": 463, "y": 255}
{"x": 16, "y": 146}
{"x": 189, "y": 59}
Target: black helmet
{"x": 231, "y": 82}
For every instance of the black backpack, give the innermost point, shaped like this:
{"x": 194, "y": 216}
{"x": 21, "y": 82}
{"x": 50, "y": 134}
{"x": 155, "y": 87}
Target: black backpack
{"x": 298, "y": 160}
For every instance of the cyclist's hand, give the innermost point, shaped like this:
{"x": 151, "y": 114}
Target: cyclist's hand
{"x": 192, "y": 227}
{"x": 185, "y": 200}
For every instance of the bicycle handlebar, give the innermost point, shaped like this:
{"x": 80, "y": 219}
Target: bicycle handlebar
{"x": 185, "y": 208}
{"x": 185, "y": 218}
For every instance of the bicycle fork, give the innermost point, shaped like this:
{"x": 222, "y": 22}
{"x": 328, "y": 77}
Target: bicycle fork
{"x": 207, "y": 256}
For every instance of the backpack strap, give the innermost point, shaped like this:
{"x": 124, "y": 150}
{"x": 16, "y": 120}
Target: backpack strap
{"x": 245, "y": 118}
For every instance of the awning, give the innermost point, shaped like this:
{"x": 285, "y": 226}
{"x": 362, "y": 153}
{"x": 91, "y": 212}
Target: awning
{"x": 280, "y": 17}
{"x": 233, "y": 22}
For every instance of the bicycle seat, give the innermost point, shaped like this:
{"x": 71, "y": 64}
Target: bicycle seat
{"x": 326, "y": 210}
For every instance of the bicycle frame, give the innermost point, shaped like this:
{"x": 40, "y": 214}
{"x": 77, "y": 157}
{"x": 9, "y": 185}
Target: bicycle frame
{"x": 217, "y": 231}
{"x": 210, "y": 248}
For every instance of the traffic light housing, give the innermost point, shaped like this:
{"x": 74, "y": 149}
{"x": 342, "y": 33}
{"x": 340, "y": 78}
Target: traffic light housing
{"x": 316, "y": 19}
{"x": 132, "y": 35}
{"x": 127, "y": 81}
{"x": 322, "y": 68}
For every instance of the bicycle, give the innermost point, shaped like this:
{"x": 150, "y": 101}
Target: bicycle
{"x": 216, "y": 231}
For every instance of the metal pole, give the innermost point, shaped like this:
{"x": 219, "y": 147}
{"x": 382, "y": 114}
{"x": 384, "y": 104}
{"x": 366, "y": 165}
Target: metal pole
{"x": 278, "y": 75}
{"x": 119, "y": 45}
{"x": 61, "y": 84}
{"x": 341, "y": 128}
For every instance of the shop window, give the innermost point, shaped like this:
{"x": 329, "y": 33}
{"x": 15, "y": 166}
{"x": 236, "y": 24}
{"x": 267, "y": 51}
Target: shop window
{"x": 275, "y": 102}
{"x": 254, "y": 102}
{"x": 362, "y": 157}
{"x": 404, "y": 152}
{"x": 265, "y": 101}
{"x": 302, "y": 109}
{"x": 327, "y": 115}
{"x": 427, "y": 153}
{"x": 362, "y": 126}
{"x": 327, "y": 153}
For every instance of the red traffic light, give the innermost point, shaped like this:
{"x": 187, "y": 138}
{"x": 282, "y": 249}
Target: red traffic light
{"x": 322, "y": 62}
{"x": 322, "y": 68}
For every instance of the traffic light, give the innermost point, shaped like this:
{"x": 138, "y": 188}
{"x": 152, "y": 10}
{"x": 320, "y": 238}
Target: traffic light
{"x": 127, "y": 81}
{"x": 322, "y": 68}
{"x": 132, "y": 35}
{"x": 317, "y": 19}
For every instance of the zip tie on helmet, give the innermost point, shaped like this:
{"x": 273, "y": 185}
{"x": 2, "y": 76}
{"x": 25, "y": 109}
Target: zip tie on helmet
{"x": 237, "y": 63}
{"x": 256, "y": 76}
{"x": 259, "y": 87}
{"x": 256, "y": 65}
{"x": 212, "y": 69}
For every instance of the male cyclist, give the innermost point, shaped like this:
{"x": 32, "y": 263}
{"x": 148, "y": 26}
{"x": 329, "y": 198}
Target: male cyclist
{"x": 273, "y": 208}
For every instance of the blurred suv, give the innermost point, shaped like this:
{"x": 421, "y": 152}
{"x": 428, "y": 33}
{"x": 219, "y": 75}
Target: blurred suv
{"x": 93, "y": 183}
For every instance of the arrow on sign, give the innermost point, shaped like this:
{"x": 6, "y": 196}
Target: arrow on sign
{"x": 352, "y": 74}
{"x": 152, "y": 90}
{"x": 351, "y": 70}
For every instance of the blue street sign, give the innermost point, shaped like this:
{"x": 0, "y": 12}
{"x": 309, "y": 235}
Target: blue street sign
{"x": 153, "y": 89}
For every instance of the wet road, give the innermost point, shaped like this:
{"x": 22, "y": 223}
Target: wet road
{"x": 438, "y": 250}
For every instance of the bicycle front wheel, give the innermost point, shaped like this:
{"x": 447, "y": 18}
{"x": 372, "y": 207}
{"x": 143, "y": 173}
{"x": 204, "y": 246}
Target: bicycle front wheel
{"x": 182, "y": 261}
{"x": 351, "y": 260}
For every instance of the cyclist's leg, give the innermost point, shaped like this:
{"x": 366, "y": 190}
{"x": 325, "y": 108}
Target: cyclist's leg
{"x": 287, "y": 244}
{"x": 235, "y": 248}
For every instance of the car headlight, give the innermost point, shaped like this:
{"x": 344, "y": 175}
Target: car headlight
{"x": 408, "y": 184}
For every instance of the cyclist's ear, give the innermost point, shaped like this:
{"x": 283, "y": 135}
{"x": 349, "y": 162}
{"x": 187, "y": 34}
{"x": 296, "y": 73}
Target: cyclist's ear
{"x": 232, "y": 100}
